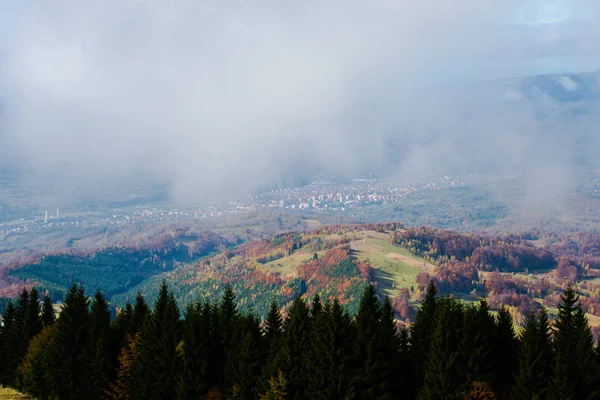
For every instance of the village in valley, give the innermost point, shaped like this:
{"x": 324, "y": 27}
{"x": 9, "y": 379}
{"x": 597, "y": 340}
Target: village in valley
{"x": 317, "y": 197}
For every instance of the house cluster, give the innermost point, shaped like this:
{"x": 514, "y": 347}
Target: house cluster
{"x": 324, "y": 196}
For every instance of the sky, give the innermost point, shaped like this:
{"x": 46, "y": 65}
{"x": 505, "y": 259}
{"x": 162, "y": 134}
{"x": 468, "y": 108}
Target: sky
{"x": 216, "y": 99}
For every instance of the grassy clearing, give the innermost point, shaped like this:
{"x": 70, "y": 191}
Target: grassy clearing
{"x": 395, "y": 267}
{"x": 288, "y": 266}
{"x": 11, "y": 394}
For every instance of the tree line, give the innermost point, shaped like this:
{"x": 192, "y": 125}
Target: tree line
{"x": 316, "y": 351}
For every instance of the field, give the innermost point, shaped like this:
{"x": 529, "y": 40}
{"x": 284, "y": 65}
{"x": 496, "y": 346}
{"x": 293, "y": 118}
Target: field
{"x": 395, "y": 267}
{"x": 287, "y": 266}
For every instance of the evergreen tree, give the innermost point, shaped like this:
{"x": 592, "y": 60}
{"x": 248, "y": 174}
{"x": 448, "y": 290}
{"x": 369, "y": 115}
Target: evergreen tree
{"x": 559, "y": 387}
{"x": 565, "y": 343}
{"x": 139, "y": 314}
{"x": 505, "y": 353}
{"x": 531, "y": 378}
{"x": 374, "y": 324}
{"x": 421, "y": 332}
{"x": 194, "y": 380}
{"x": 273, "y": 326}
{"x": 272, "y": 332}
{"x": 8, "y": 353}
{"x": 245, "y": 357}
{"x": 586, "y": 373}
{"x": 22, "y": 305}
{"x": 48, "y": 314}
{"x": 100, "y": 345}
{"x": 406, "y": 364}
{"x": 546, "y": 349}
{"x": 476, "y": 345}
{"x": 366, "y": 382}
{"x": 316, "y": 307}
{"x": 390, "y": 351}
{"x": 155, "y": 373}
{"x": 443, "y": 377}
{"x": 228, "y": 314}
{"x": 69, "y": 358}
{"x": 33, "y": 321}
{"x": 293, "y": 346}
{"x": 21, "y": 328}
{"x": 120, "y": 327}
{"x": 216, "y": 353}
{"x": 8, "y": 318}
{"x": 329, "y": 356}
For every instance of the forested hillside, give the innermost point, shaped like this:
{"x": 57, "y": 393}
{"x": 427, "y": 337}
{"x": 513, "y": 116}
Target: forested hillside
{"x": 114, "y": 269}
{"x": 520, "y": 272}
{"x": 313, "y": 350}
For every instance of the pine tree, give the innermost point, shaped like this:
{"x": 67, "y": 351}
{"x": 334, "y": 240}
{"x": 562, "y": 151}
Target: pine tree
{"x": 406, "y": 364}
{"x": 9, "y": 316}
{"x": 390, "y": 350}
{"x": 372, "y": 376}
{"x": 530, "y": 379}
{"x": 421, "y": 333}
{"x": 33, "y": 321}
{"x": 476, "y": 345}
{"x": 100, "y": 345}
{"x": 227, "y": 318}
{"x": 565, "y": 342}
{"x": 69, "y": 359}
{"x": 586, "y": 374}
{"x": 575, "y": 373}
{"x": 329, "y": 356}
{"x": 22, "y": 317}
{"x": 22, "y": 305}
{"x": 272, "y": 332}
{"x": 48, "y": 314}
{"x": 139, "y": 314}
{"x": 505, "y": 352}
{"x": 559, "y": 387}
{"x": 273, "y": 326}
{"x": 293, "y": 346}
{"x": 8, "y": 353}
{"x": 216, "y": 354}
{"x": 443, "y": 378}
{"x": 316, "y": 307}
{"x": 194, "y": 379}
{"x": 155, "y": 374}
{"x": 546, "y": 349}
{"x": 245, "y": 357}
{"x": 120, "y": 328}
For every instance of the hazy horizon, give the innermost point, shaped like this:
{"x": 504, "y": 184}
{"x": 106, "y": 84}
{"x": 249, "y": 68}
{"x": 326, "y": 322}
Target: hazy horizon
{"x": 214, "y": 100}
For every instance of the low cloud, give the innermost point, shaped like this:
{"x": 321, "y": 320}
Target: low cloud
{"x": 216, "y": 99}
{"x": 569, "y": 84}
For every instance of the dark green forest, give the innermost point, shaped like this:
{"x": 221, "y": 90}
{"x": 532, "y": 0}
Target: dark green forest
{"x": 311, "y": 350}
{"x": 114, "y": 269}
